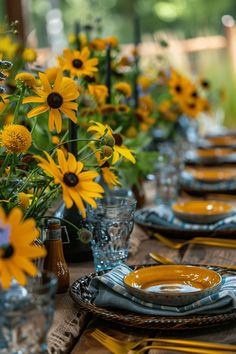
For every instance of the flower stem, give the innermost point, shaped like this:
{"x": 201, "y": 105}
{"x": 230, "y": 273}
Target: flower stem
{"x": 17, "y": 109}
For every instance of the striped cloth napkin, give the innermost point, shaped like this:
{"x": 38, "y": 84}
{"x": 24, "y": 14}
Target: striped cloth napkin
{"x": 162, "y": 215}
{"x": 108, "y": 291}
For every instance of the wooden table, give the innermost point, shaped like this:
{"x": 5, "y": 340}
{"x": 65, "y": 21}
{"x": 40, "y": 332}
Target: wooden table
{"x": 80, "y": 342}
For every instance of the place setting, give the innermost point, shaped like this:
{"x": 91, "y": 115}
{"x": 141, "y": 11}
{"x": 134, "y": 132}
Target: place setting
{"x": 203, "y": 180}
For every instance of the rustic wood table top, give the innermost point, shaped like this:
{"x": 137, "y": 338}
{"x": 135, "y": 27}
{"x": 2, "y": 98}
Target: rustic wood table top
{"x": 70, "y": 332}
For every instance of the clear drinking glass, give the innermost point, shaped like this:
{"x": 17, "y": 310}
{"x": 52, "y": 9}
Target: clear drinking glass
{"x": 111, "y": 224}
{"x": 26, "y": 314}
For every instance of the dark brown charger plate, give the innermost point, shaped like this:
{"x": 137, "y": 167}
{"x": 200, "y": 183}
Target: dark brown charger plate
{"x": 81, "y": 295}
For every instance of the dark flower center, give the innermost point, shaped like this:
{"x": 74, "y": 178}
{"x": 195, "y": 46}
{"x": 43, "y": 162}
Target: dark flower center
{"x": 8, "y": 252}
{"x": 192, "y": 105}
{"x": 118, "y": 139}
{"x": 70, "y": 179}
{"x": 105, "y": 164}
{"x": 178, "y": 88}
{"x": 205, "y": 83}
{"x": 77, "y": 63}
{"x": 89, "y": 79}
{"x": 194, "y": 94}
{"x": 54, "y": 100}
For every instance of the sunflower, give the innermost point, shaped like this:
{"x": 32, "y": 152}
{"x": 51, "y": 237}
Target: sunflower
{"x": 78, "y": 63}
{"x": 26, "y": 78}
{"x": 29, "y": 55}
{"x": 16, "y": 249}
{"x": 119, "y": 149}
{"x": 56, "y": 100}
{"x": 16, "y": 138}
{"x": 99, "y": 92}
{"x": 77, "y": 185}
{"x": 124, "y": 88}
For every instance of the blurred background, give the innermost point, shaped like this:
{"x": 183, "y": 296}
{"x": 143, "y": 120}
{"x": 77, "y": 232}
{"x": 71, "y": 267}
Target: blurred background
{"x": 201, "y": 34}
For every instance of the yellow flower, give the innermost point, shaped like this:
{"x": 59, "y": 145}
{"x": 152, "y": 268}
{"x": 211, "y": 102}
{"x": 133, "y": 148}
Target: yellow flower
{"x": 7, "y": 47}
{"x": 56, "y": 141}
{"x": 179, "y": 87}
{"x": 27, "y": 78}
{"x": 191, "y": 107}
{"x": 16, "y": 138}
{"x": 146, "y": 103}
{"x": 78, "y": 62}
{"x": 145, "y": 82}
{"x": 99, "y": 92}
{"x": 52, "y": 74}
{"x": 113, "y": 41}
{"x": 77, "y": 185}
{"x": 23, "y": 200}
{"x": 3, "y": 102}
{"x": 107, "y": 108}
{"x": 109, "y": 176}
{"x": 29, "y": 55}
{"x": 124, "y": 88}
{"x": 131, "y": 132}
{"x": 122, "y": 108}
{"x": 119, "y": 149}
{"x": 143, "y": 117}
{"x": 167, "y": 109}
{"x": 56, "y": 100}
{"x": 16, "y": 249}
{"x": 98, "y": 44}
{"x": 82, "y": 38}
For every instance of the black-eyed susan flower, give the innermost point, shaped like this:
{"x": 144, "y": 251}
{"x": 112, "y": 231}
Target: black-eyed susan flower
{"x": 145, "y": 82}
{"x": 109, "y": 176}
{"x": 78, "y": 62}
{"x": 124, "y": 88}
{"x": 16, "y": 138}
{"x": 29, "y": 55}
{"x": 26, "y": 78}
{"x": 16, "y": 248}
{"x": 191, "y": 107}
{"x": 3, "y": 101}
{"x": 23, "y": 200}
{"x": 146, "y": 102}
{"x": 56, "y": 99}
{"x": 122, "y": 108}
{"x": 98, "y": 44}
{"x": 112, "y": 41}
{"x": 99, "y": 92}
{"x": 52, "y": 73}
{"x": 119, "y": 149}
{"x": 107, "y": 109}
{"x": 77, "y": 184}
{"x": 179, "y": 86}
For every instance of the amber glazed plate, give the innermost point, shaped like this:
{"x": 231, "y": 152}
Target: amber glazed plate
{"x": 217, "y": 152}
{"x": 202, "y": 211}
{"x": 213, "y": 175}
{"x": 173, "y": 285}
{"x": 222, "y": 140}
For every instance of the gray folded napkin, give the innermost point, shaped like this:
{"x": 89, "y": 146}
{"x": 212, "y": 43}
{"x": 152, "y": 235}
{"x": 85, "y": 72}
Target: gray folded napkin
{"x": 108, "y": 291}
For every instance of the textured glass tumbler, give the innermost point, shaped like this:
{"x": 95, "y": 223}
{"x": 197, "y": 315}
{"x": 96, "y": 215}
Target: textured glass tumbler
{"x": 26, "y": 314}
{"x": 111, "y": 224}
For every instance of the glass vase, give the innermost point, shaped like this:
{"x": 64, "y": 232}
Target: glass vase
{"x": 26, "y": 314}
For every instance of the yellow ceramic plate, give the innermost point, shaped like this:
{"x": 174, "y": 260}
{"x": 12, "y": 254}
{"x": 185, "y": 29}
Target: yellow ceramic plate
{"x": 174, "y": 285}
{"x": 217, "y": 152}
{"x": 202, "y": 211}
{"x": 212, "y": 175}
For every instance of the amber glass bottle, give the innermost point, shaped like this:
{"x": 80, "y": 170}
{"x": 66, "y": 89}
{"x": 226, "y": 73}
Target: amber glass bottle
{"x": 55, "y": 261}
